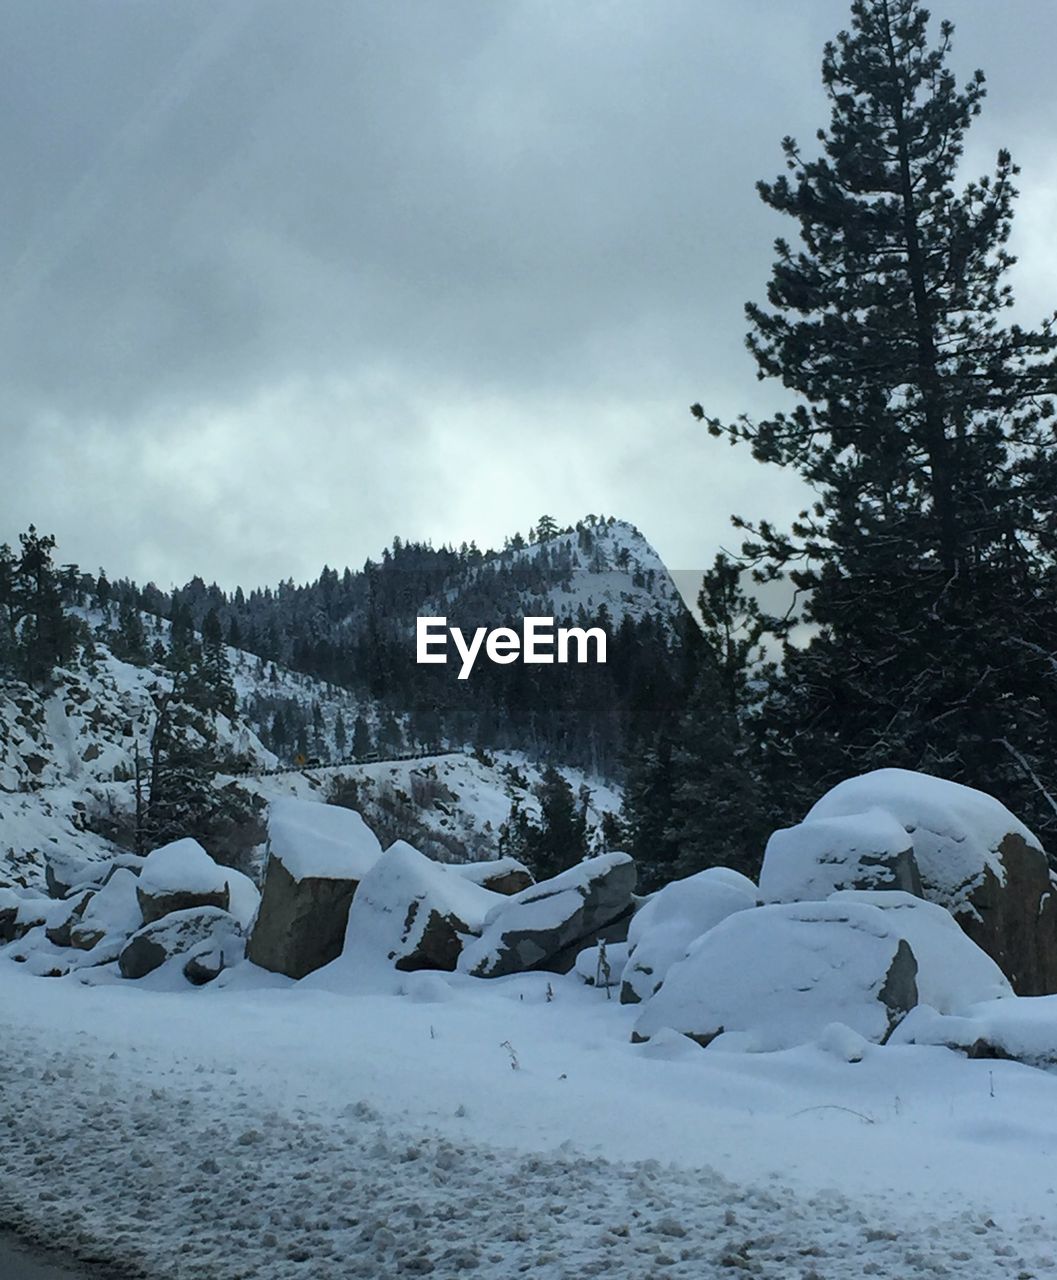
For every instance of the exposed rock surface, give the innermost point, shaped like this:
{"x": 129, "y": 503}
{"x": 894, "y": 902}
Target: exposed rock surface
{"x": 502, "y": 875}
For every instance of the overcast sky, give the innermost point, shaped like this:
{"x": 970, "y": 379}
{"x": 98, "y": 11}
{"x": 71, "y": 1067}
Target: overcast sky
{"x": 282, "y": 280}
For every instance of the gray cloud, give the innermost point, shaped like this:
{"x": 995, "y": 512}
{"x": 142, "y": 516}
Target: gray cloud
{"x": 280, "y": 281}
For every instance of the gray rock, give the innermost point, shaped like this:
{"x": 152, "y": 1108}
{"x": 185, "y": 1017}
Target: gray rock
{"x": 191, "y": 932}
{"x": 502, "y": 875}
{"x": 59, "y": 931}
{"x": 545, "y": 927}
{"x": 317, "y": 856}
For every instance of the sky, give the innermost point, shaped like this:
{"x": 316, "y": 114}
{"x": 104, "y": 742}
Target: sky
{"x": 281, "y": 281}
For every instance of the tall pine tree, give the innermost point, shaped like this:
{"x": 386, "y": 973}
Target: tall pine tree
{"x": 924, "y": 426}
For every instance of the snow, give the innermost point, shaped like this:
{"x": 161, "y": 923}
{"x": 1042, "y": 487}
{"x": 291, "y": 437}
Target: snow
{"x": 661, "y": 931}
{"x": 479, "y": 872}
{"x": 244, "y": 897}
{"x": 115, "y": 909}
{"x": 953, "y": 971}
{"x": 181, "y": 867}
{"x": 956, "y": 830}
{"x": 808, "y": 862}
{"x": 321, "y": 841}
{"x": 588, "y": 968}
{"x": 779, "y": 975}
{"x": 264, "y": 1129}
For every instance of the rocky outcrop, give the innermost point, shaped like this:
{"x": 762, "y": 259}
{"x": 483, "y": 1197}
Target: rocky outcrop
{"x": 546, "y": 926}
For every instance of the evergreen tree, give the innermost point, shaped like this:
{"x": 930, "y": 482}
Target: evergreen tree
{"x": 341, "y": 737}
{"x": 924, "y": 427}
{"x": 560, "y": 839}
{"x": 361, "y": 738}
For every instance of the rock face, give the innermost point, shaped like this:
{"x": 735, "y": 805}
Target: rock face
{"x": 661, "y": 931}
{"x": 953, "y": 972}
{"x": 545, "y": 927}
{"x": 178, "y": 877}
{"x": 808, "y": 862}
{"x": 415, "y": 912}
{"x": 502, "y": 875}
{"x": 191, "y": 933}
{"x": 317, "y": 856}
{"x": 777, "y": 976}
{"x": 976, "y": 859}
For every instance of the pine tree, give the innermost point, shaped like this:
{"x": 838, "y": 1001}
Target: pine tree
{"x": 560, "y": 839}
{"x": 341, "y": 737}
{"x": 924, "y": 427}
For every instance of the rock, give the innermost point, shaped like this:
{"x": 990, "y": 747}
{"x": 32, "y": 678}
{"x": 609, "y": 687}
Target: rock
{"x": 317, "y": 856}
{"x": 502, "y": 875}
{"x": 546, "y": 926}
{"x": 204, "y": 966}
{"x": 777, "y": 976}
{"x": 976, "y": 859}
{"x": 808, "y": 862}
{"x": 192, "y": 932}
{"x": 672, "y": 918}
{"x": 113, "y": 912}
{"x": 245, "y": 898}
{"x": 58, "y": 930}
{"x": 415, "y": 912}
{"x": 953, "y": 972}
{"x": 9, "y": 906}
{"x": 178, "y": 877}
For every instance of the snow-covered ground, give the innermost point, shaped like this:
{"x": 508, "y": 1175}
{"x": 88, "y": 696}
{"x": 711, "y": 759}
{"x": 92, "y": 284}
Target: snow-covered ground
{"x": 502, "y": 1128}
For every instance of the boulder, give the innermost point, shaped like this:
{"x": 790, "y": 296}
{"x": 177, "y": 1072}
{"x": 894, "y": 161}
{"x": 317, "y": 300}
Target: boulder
{"x": 808, "y": 862}
{"x": 415, "y": 912}
{"x": 502, "y": 875}
{"x": 59, "y": 928}
{"x": 953, "y": 972}
{"x": 113, "y": 912}
{"x": 179, "y": 877}
{"x": 777, "y": 976}
{"x": 317, "y": 856}
{"x": 671, "y": 919}
{"x": 546, "y": 926}
{"x": 976, "y": 859}
{"x": 66, "y": 872}
{"x": 192, "y": 932}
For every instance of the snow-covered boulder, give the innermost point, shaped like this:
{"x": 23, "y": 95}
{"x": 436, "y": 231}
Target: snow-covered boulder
{"x": 178, "y": 877}
{"x": 61, "y": 921}
{"x": 317, "y": 856}
{"x": 976, "y": 859}
{"x": 113, "y": 912}
{"x": 808, "y": 862}
{"x": 1023, "y": 1028}
{"x": 65, "y": 871}
{"x": 501, "y": 875}
{"x": 414, "y": 911}
{"x": 546, "y": 927}
{"x": 777, "y": 976}
{"x": 199, "y": 931}
{"x": 953, "y": 972}
{"x": 662, "y": 929}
